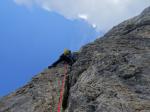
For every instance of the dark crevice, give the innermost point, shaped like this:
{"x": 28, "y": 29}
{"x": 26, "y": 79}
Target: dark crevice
{"x": 70, "y": 79}
{"x": 66, "y": 94}
{"x": 130, "y": 29}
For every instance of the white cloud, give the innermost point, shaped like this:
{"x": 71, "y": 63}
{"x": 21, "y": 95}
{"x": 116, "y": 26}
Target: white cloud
{"x": 83, "y": 16}
{"x": 101, "y": 14}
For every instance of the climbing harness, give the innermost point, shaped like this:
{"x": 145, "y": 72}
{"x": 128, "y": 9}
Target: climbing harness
{"x": 62, "y": 90}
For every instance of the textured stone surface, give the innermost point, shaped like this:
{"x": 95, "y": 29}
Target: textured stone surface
{"x": 40, "y": 95}
{"x": 112, "y": 74}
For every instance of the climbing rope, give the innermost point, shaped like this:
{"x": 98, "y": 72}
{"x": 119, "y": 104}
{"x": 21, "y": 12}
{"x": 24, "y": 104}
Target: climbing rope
{"x": 62, "y": 90}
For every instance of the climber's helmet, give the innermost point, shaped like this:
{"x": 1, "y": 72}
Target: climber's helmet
{"x": 67, "y": 52}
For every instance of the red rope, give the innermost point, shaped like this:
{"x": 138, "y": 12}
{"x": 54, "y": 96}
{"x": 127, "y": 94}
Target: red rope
{"x": 62, "y": 90}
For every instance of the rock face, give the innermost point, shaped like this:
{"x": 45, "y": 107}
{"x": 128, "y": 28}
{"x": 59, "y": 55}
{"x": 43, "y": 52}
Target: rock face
{"x": 112, "y": 74}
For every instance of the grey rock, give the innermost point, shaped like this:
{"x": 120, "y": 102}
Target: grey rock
{"x": 111, "y": 74}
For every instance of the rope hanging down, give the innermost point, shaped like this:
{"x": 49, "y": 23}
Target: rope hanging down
{"x": 62, "y": 90}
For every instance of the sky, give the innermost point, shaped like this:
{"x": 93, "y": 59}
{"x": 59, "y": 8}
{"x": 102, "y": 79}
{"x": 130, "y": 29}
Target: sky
{"x": 33, "y": 33}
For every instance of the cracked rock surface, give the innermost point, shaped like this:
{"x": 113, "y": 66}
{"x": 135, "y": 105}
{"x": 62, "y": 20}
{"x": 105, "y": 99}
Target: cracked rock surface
{"x": 111, "y": 74}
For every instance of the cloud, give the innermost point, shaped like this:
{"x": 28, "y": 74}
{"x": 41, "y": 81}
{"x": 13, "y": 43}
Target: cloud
{"x": 83, "y": 16}
{"x": 101, "y": 14}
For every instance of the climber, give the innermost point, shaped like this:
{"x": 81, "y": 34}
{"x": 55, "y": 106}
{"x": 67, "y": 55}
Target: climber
{"x": 67, "y": 57}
